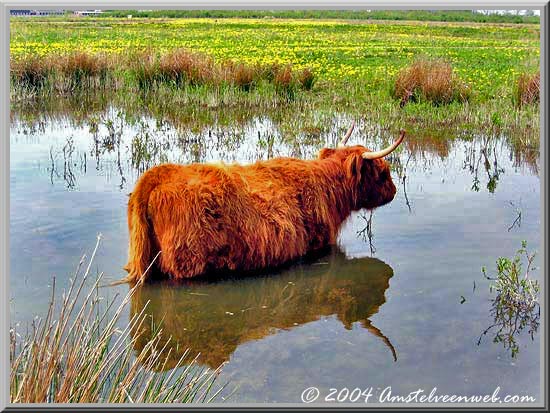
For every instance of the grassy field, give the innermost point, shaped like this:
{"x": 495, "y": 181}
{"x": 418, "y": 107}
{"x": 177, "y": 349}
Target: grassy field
{"x": 355, "y": 63}
{"x": 488, "y": 56}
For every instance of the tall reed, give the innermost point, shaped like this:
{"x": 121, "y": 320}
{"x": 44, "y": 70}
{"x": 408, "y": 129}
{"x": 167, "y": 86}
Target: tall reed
{"x": 30, "y": 71}
{"x": 77, "y": 353}
{"x": 82, "y": 70}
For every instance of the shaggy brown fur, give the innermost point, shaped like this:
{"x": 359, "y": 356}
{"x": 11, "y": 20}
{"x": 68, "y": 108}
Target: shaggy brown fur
{"x": 220, "y": 217}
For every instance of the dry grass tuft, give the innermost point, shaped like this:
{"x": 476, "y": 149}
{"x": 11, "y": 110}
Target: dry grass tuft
{"x": 31, "y": 71}
{"x": 242, "y": 75}
{"x": 527, "y": 89}
{"x": 83, "y": 63}
{"x": 80, "y": 355}
{"x": 432, "y": 80}
{"x": 306, "y": 79}
{"x": 81, "y": 69}
{"x": 284, "y": 81}
{"x": 182, "y": 66}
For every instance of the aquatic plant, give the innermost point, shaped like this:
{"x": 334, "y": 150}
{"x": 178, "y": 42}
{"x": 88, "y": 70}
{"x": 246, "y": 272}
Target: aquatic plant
{"x": 143, "y": 67}
{"x": 239, "y": 74}
{"x": 366, "y": 233}
{"x": 285, "y": 84}
{"x": 30, "y": 71}
{"x": 306, "y": 78}
{"x": 181, "y": 65}
{"x": 83, "y": 70}
{"x": 516, "y": 305}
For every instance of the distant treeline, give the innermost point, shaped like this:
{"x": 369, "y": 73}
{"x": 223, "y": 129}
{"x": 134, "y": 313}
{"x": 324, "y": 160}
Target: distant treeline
{"x": 421, "y": 15}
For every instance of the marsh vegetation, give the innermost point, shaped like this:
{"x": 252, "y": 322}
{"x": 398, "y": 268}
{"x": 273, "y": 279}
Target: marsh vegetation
{"x": 516, "y": 305}
{"x": 78, "y": 354}
{"x": 472, "y": 77}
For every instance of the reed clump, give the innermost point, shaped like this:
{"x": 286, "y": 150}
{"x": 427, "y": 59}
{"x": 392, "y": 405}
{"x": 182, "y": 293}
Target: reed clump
{"x": 149, "y": 69}
{"x": 527, "y": 89}
{"x": 181, "y": 66}
{"x": 285, "y": 83}
{"x": 30, "y": 71}
{"x": 82, "y": 69}
{"x": 78, "y": 353}
{"x": 429, "y": 80}
{"x": 306, "y": 79}
{"x": 143, "y": 68}
{"x": 241, "y": 75}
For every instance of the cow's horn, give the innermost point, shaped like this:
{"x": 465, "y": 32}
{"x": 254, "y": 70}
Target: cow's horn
{"x": 346, "y": 137}
{"x": 387, "y": 151}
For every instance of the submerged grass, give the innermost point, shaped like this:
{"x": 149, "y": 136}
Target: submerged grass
{"x": 197, "y": 110}
{"x": 78, "y": 354}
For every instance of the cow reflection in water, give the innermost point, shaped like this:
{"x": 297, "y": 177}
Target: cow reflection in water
{"x": 214, "y": 317}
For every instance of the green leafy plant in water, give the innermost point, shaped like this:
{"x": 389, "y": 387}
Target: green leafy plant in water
{"x": 516, "y": 305}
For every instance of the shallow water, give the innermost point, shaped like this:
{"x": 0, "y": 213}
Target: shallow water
{"x": 404, "y": 308}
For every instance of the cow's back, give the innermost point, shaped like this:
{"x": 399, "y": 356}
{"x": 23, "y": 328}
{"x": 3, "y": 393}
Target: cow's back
{"x": 217, "y": 217}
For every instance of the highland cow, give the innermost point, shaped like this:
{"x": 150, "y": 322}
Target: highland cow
{"x": 204, "y": 218}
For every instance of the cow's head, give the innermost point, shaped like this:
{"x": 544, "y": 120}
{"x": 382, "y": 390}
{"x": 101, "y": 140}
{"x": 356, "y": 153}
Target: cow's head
{"x": 367, "y": 173}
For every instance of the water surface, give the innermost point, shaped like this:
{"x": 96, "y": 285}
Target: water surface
{"x": 401, "y": 303}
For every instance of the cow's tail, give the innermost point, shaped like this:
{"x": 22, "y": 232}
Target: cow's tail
{"x": 140, "y": 251}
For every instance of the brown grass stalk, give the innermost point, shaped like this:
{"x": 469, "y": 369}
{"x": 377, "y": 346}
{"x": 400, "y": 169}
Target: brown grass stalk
{"x": 30, "y": 71}
{"x": 306, "y": 79}
{"x": 181, "y": 66}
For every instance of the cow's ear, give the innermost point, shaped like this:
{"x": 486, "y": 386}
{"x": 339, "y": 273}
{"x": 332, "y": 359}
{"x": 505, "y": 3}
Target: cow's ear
{"x": 353, "y": 166}
{"x": 371, "y": 168}
{"x": 326, "y": 152}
